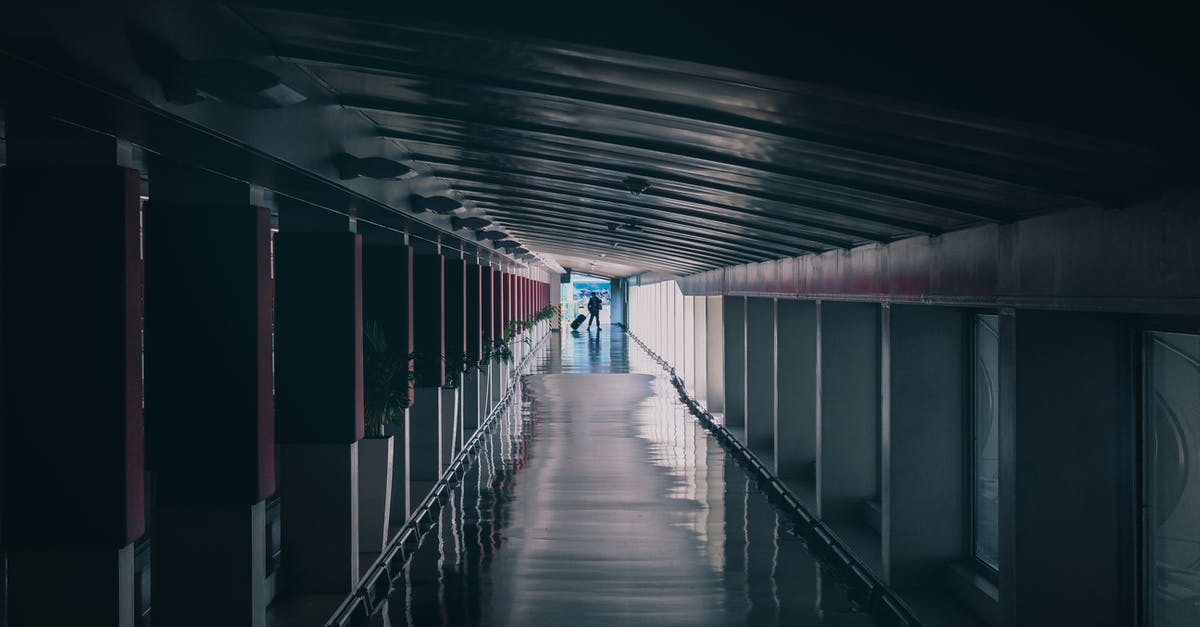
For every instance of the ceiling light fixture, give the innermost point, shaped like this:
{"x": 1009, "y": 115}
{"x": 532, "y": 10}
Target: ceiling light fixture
{"x": 442, "y": 205}
{"x": 379, "y": 168}
{"x": 229, "y": 80}
{"x": 635, "y": 185}
{"x": 492, "y": 235}
{"x": 469, "y": 222}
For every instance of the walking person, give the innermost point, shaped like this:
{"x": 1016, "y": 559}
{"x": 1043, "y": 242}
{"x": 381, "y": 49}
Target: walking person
{"x": 594, "y": 307}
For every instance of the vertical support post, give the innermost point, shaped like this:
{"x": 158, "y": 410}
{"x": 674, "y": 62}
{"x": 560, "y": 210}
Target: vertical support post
{"x": 388, "y": 303}
{"x": 209, "y": 326}
{"x": 318, "y": 366}
{"x": 715, "y": 352}
{"x": 456, "y": 347}
{"x": 922, "y": 361}
{"x": 700, "y": 346}
{"x": 796, "y": 385}
{"x": 425, "y": 415}
{"x": 487, "y": 289}
{"x": 847, "y": 464}
{"x": 72, "y": 527}
{"x": 474, "y": 329}
{"x": 498, "y": 378}
{"x": 735, "y": 360}
{"x": 1066, "y": 384}
{"x": 760, "y": 375}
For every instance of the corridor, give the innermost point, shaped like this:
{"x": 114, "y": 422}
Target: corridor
{"x": 599, "y": 500}
{"x": 901, "y": 314}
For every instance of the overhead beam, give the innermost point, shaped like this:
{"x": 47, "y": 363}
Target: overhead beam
{"x": 667, "y": 214}
{"x": 833, "y": 183}
{"x": 654, "y": 175}
{"x": 520, "y": 213}
{"x": 679, "y": 203}
{"x": 959, "y": 156}
{"x": 588, "y": 237}
{"x": 842, "y": 202}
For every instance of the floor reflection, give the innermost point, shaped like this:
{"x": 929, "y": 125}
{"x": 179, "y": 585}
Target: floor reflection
{"x": 598, "y": 500}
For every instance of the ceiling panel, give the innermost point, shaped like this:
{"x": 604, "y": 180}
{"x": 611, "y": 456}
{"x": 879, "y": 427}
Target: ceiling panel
{"x": 543, "y": 137}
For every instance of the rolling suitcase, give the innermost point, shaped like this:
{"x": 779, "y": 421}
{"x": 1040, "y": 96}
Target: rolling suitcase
{"x": 578, "y": 321}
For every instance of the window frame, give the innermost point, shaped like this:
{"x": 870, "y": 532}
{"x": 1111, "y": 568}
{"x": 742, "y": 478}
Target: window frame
{"x": 979, "y": 566}
{"x": 1142, "y": 596}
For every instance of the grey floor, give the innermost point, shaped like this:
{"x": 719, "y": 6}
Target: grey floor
{"x": 598, "y": 500}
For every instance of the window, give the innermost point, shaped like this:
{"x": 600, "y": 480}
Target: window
{"x": 1171, "y": 479}
{"x": 985, "y": 453}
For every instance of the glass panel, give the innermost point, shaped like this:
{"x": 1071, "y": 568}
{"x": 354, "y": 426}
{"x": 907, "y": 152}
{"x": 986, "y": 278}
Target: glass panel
{"x": 1172, "y": 488}
{"x": 986, "y": 453}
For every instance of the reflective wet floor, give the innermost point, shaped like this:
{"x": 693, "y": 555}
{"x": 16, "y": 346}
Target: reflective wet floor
{"x": 599, "y": 500}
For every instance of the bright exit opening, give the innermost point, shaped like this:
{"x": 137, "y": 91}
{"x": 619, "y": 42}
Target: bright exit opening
{"x": 575, "y": 297}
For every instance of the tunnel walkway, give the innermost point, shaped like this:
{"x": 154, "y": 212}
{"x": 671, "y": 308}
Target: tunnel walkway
{"x": 598, "y": 500}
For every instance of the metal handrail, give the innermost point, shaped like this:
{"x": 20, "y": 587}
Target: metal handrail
{"x": 375, "y": 585}
{"x": 879, "y": 597}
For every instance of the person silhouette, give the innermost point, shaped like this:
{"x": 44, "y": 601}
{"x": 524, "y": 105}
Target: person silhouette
{"x": 594, "y": 306}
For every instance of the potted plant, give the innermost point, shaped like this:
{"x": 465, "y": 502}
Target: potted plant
{"x": 386, "y": 378}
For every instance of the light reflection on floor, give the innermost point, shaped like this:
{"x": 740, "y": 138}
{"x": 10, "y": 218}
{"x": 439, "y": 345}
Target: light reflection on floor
{"x": 598, "y": 500}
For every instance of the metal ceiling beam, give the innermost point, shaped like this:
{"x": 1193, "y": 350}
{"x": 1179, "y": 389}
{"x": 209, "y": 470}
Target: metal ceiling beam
{"x": 814, "y": 199}
{"x": 964, "y": 159}
{"x": 652, "y": 175}
{"x": 672, "y": 213}
{"x": 762, "y": 223}
{"x": 834, "y": 183}
{"x": 753, "y": 236}
{"x": 699, "y": 208}
{"x": 637, "y": 252}
{"x": 571, "y": 246}
{"x": 588, "y": 239}
{"x": 513, "y": 216}
{"x": 531, "y": 211}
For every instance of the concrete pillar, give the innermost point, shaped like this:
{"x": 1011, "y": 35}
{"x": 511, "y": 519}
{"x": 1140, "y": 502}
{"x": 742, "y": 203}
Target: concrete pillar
{"x": 209, "y": 325}
{"x": 796, "y": 389}
{"x": 734, "y": 318}
{"x": 1067, "y": 445}
{"x": 619, "y": 289}
{"x": 473, "y": 310}
{"x": 687, "y": 367}
{"x": 319, "y": 419}
{"x": 678, "y": 330}
{"x": 498, "y": 320}
{"x": 714, "y": 339}
{"x": 455, "y": 349}
{"x": 922, "y": 400}
{"x": 487, "y": 312}
{"x": 451, "y": 436}
{"x": 848, "y": 418}
{"x": 700, "y": 346}
{"x": 760, "y": 375}
{"x": 388, "y": 302}
{"x": 426, "y": 421}
{"x": 72, "y": 478}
